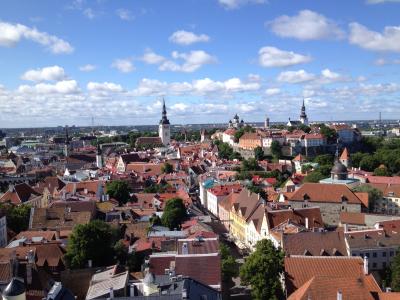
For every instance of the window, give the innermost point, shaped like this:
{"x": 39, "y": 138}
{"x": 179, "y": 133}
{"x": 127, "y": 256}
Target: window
{"x": 374, "y": 254}
{"x": 367, "y": 255}
{"x": 384, "y": 254}
{"x": 374, "y": 265}
{"x": 391, "y": 253}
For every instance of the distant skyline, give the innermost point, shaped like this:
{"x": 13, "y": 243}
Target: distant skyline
{"x": 64, "y": 62}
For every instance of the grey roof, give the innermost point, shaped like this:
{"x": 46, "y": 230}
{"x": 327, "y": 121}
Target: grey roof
{"x": 170, "y": 233}
{"x": 14, "y": 288}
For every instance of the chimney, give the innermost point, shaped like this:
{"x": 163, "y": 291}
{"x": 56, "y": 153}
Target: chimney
{"x": 111, "y": 292}
{"x": 58, "y": 234}
{"x": 132, "y": 290}
{"x": 185, "y": 250}
{"x": 365, "y": 265}
{"x": 29, "y": 266}
{"x": 306, "y": 222}
{"x": 90, "y": 263}
{"x": 339, "y": 295}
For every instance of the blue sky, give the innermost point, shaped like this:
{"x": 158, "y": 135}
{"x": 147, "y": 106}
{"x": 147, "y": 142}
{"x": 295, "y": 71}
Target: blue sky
{"x": 63, "y": 62}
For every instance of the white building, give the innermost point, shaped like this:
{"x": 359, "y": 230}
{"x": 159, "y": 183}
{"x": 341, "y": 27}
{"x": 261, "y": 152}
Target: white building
{"x": 164, "y": 131}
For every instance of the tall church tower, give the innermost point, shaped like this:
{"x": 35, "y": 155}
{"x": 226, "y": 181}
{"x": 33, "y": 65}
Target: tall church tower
{"x": 66, "y": 145}
{"x": 99, "y": 157}
{"x": 303, "y": 115}
{"x": 164, "y": 131}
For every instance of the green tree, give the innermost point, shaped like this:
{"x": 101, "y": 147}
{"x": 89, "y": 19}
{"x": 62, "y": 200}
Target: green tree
{"x": 324, "y": 159}
{"x": 155, "y": 220}
{"x": 167, "y": 168}
{"x": 93, "y": 241}
{"x": 17, "y": 216}
{"x": 315, "y": 176}
{"x": 229, "y": 267}
{"x": 174, "y": 213}
{"x": 395, "y": 273}
{"x": 250, "y": 164}
{"x": 262, "y": 270}
{"x": 356, "y": 158}
{"x": 241, "y": 131}
{"x": 373, "y": 194}
{"x": 121, "y": 252}
{"x": 329, "y": 133}
{"x": 258, "y": 153}
{"x": 306, "y": 168}
{"x": 382, "y": 171}
{"x": 276, "y": 149}
{"x": 369, "y": 163}
{"x": 119, "y": 190}
{"x": 304, "y": 128}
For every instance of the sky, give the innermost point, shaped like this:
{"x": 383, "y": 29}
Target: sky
{"x": 66, "y": 62}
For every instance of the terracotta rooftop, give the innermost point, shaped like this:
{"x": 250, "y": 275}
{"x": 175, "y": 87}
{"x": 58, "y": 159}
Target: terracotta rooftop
{"x": 300, "y": 269}
{"x": 315, "y": 244}
{"x": 323, "y": 192}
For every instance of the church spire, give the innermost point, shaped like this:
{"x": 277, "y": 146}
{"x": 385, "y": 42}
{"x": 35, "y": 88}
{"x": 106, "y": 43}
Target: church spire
{"x": 164, "y": 119}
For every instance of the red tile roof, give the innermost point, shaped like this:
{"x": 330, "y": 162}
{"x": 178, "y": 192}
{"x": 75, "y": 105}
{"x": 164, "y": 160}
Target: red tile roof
{"x": 300, "y": 269}
{"x": 324, "y": 192}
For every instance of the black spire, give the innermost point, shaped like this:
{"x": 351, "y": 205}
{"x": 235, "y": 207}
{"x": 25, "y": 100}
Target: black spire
{"x": 66, "y": 135}
{"x": 98, "y": 148}
{"x": 164, "y": 120}
{"x": 303, "y": 111}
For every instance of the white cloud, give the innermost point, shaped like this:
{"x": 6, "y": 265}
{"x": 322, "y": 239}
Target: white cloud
{"x": 123, "y": 65}
{"x": 45, "y": 74}
{"x": 125, "y": 14}
{"x": 272, "y": 91}
{"x": 295, "y": 76}
{"x": 183, "y": 37}
{"x": 182, "y": 107}
{"x": 381, "y": 1}
{"x": 152, "y": 58}
{"x": 232, "y": 4}
{"x": 205, "y": 86}
{"x": 192, "y": 61}
{"x": 274, "y": 57}
{"x": 104, "y": 87}
{"x": 87, "y": 68}
{"x": 383, "y": 61}
{"x": 61, "y": 87}
{"x": 389, "y": 40}
{"x": 11, "y": 34}
{"x": 89, "y": 13}
{"x": 329, "y": 76}
{"x": 306, "y": 25}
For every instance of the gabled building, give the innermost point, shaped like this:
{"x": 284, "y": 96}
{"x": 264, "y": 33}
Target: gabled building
{"x": 332, "y": 199}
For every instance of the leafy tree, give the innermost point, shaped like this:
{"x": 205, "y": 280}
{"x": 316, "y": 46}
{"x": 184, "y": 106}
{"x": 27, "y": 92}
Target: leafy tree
{"x": 17, "y": 216}
{"x": 167, "y": 168}
{"x": 315, "y": 176}
{"x": 325, "y": 170}
{"x": 276, "y": 149}
{"x": 226, "y": 152}
{"x": 174, "y": 213}
{"x": 262, "y": 270}
{"x": 93, "y": 241}
{"x": 324, "y": 159}
{"x": 156, "y": 188}
{"x": 250, "y": 164}
{"x": 121, "y": 252}
{"x": 373, "y": 194}
{"x": 258, "y": 153}
{"x": 135, "y": 261}
{"x": 229, "y": 267}
{"x": 155, "y": 220}
{"x": 395, "y": 273}
{"x": 356, "y": 158}
{"x": 382, "y": 171}
{"x": 369, "y": 163}
{"x": 119, "y": 190}
{"x": 305, "y": 168}
{"x": 329, "y": 133}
